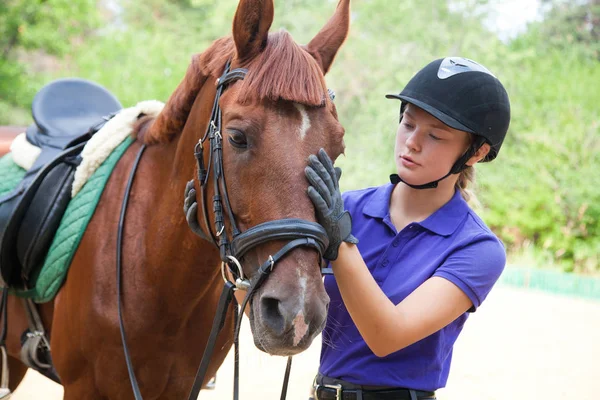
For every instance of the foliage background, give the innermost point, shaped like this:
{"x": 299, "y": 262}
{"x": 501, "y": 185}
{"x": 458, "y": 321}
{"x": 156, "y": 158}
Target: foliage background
{"x": 541, "y": 196}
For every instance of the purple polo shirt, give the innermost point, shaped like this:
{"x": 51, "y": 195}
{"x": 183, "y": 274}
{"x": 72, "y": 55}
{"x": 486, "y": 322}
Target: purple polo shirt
{"x": 452, "y": 243}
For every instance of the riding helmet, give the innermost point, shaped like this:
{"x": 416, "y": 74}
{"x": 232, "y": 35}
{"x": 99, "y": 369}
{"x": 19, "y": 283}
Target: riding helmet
{"x": 464, "y": 95}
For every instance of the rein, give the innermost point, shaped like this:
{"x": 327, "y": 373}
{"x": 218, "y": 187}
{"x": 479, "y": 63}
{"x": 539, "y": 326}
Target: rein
{"x": 298, "y": 232}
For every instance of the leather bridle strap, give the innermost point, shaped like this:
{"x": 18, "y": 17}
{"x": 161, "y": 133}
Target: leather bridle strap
{"x": 132, "y": 379}
{"x": 223, "y": 305}
{"x": 282, "y": 229}
{"x": 267, "y": 267}
{"x": 226, "y": 295}
{"x": 261, "y": 275}
{"x": 215, "y": 161}
{"x": 218, "y": 321}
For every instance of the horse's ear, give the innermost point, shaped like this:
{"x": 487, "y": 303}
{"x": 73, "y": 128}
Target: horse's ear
{"x": 326, "y": 44}
{"x": 251, "y": 24}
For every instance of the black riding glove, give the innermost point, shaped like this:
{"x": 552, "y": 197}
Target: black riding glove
{"x": 325, "y": 194}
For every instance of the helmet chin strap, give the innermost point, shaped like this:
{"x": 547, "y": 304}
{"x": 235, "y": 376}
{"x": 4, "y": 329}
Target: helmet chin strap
{"x": 459, "y": 166}
{"x": 395, "y": 178}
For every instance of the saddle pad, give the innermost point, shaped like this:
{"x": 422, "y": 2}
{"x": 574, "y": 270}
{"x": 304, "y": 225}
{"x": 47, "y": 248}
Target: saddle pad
{"x": 79, "y": 212}
{"x": 10, "y": 174}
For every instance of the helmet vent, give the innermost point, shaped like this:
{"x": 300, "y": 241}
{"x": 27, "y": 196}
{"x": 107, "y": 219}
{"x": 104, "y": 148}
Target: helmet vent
{"x": 451, "y": 66}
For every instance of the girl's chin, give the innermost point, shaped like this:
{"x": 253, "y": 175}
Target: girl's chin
{"x": 408, "y": 178}
{"x": 415, "y": 179}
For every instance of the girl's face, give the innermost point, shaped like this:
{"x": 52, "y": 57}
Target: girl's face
{"x": 426, "y": 148}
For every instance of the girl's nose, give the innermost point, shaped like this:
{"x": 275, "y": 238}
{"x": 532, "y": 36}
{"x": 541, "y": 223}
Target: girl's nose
{"x": 413, "y": 141}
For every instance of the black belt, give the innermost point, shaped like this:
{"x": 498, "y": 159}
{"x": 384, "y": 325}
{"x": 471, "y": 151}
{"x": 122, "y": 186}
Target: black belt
{"x": 335, "y": 389}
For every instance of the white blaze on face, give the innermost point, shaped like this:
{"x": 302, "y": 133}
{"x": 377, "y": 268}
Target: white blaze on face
{"x": 300, "y": 326}
{"x": 305, "y": 126}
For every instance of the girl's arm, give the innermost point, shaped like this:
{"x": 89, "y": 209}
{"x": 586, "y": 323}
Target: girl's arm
{"x": 385, "y": 327}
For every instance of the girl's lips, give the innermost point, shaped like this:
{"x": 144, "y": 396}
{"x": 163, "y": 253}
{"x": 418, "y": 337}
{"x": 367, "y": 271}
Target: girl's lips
{"x": 408, "y": 162}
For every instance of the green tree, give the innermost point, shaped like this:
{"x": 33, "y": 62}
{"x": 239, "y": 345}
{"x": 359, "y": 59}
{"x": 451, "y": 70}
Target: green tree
{"x": 573, "y": 23}
{"x": 37, "y": 27}
{"x": 44, "y": 24}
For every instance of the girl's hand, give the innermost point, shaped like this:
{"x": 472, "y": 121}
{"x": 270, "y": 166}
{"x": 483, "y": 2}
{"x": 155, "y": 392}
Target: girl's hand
{"x": 325, "y": 194}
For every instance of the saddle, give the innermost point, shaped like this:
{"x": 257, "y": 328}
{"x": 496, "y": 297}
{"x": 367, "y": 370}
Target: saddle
{"x": 66, "y": 114}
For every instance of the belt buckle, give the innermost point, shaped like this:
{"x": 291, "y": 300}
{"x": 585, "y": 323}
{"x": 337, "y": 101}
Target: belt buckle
{"x": 336, "y": 387}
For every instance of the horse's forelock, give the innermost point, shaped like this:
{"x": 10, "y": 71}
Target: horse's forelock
{"x": 282, "y": 71}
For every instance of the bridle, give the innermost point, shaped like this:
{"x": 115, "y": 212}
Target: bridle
{"x": 298, "y": 233}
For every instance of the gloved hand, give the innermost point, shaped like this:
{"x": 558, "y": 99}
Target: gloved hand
{"x": 325, "y": 194}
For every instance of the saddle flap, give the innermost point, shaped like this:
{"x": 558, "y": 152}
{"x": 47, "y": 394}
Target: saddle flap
{"x": 69, "y": 107}
{"x": 43, "y": 217}
{"x": 42, "y": 203}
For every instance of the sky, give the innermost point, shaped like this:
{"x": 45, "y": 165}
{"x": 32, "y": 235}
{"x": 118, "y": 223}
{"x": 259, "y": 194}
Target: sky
{"x": 508, "y": 18}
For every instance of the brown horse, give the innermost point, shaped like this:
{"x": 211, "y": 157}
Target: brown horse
{"x": 273, "y": 119}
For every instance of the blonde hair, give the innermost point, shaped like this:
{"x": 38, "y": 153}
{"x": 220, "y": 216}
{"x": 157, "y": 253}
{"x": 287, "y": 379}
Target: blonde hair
{"x": 465, "y": 179}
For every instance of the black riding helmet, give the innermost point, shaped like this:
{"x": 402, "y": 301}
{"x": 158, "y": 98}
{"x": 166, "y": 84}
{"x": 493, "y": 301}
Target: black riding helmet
{"x": 465, "y": 96}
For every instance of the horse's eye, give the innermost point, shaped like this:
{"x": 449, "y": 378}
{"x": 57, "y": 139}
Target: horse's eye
{"x": 238, "y": 139}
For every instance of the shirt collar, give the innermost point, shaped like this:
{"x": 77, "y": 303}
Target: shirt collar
{"x": 443, "y": 221}
{"x": 446, "y": 219}
{"x": 378, "y": 205}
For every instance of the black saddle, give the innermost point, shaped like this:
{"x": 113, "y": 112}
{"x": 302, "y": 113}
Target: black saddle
{"x": 65, "y": 109}
{"x": 67, "y": 112}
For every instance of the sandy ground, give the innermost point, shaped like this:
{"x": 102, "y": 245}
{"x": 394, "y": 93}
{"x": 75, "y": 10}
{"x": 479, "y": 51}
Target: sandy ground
{"x": 520, "y": 345}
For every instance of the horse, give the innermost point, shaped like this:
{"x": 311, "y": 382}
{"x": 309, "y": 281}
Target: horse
{"x": 272, "y": 120}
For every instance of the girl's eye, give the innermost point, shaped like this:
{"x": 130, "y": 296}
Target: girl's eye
{"x": 238, "y": 139}
{"x": 434, "y": 137}
{"x": 407, "y": 125}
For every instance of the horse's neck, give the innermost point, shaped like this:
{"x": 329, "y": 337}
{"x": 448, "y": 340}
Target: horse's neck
{"x": 162, "y": 177}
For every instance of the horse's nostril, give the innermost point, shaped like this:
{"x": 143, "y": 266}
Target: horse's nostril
{"x": 271, "y": 313}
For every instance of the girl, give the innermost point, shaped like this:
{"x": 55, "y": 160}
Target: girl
{"x": 411, "y": 259}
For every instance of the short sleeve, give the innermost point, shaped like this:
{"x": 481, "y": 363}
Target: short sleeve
{"x": 475, "y": 268}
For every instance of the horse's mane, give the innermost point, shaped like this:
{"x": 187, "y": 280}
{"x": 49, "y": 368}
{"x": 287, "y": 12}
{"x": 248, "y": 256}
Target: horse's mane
{"x": 282, "y": 71}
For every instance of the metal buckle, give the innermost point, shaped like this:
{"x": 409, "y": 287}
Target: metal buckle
{"x": 336, "y": 387}
{"x": 240, "y": 283}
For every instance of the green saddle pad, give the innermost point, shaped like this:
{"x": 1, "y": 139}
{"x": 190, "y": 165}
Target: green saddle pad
{"x": 46, "y": 282}
{"x": 10, "y": 174}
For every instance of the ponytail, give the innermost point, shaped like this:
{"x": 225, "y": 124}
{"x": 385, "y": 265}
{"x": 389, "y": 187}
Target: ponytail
{"x": 466, "y": 179}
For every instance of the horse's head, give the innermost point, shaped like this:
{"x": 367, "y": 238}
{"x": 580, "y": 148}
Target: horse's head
{"x": 272, "y": 120}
